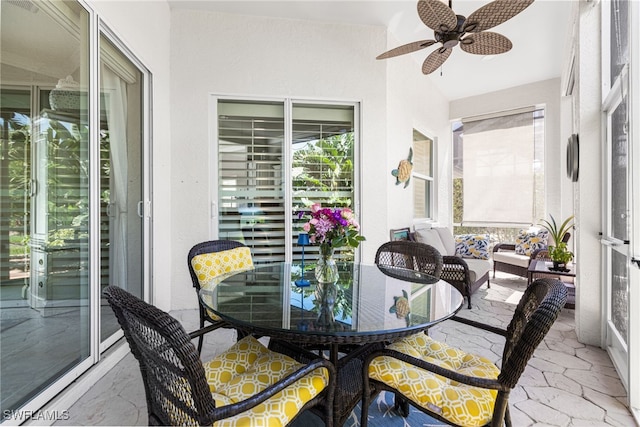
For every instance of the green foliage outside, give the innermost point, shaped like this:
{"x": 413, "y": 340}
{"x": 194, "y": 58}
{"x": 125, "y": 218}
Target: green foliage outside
{"x": 323, "y": 172}
{"x": 66, "y": 185}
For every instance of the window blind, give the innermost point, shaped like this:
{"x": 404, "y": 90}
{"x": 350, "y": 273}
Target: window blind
{"x": 498, "y": 170}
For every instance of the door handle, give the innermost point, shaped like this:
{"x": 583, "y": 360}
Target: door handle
{"x": 32, "y": 187}
{"x": 141, "y": 209}
{"x": 636, "y": 261}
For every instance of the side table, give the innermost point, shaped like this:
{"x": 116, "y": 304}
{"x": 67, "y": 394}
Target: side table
{"x": 540, "y": 267}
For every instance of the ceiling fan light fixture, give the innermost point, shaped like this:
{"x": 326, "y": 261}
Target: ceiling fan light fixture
{"x": 449, "y": 40}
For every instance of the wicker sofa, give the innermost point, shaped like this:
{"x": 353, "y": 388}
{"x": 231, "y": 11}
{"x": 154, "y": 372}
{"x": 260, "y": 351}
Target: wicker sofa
{"x": 507, "y": 260}
{"x": 465, "y": 274}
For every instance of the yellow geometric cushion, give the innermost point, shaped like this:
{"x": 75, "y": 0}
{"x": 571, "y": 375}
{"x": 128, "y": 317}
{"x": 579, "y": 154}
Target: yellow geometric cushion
{"x": 214, "y": 267}
{"x": 247, "y": 368}
{"x": 459, "y": 403}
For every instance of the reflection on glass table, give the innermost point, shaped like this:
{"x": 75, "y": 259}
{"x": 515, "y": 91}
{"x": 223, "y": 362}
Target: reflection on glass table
{"x": 367, "y": 304}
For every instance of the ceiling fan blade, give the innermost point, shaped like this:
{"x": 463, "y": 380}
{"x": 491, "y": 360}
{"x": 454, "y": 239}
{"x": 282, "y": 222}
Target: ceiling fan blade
{"x": 494, "y": 13}
{"x": 437, "y": 15}
{"x": 486, "y": 43}
{"x": 406, "y": 48}
{"x": 435, "y": 60}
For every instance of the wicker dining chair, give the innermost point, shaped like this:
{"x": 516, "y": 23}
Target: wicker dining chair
{"x": 410, "y": 255}
{"x": 247, "y": 384}
{"x": 207, "y": 266}
{"x": 457, "y": 387}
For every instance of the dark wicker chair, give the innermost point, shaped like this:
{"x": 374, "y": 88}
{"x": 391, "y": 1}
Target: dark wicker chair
{"x": 174, "y": 378}
{"x": 205, "y": 316}
{"x": 455, "y": 270}
{"x": 535, "y": 314}
{"x": 410, "y": 255}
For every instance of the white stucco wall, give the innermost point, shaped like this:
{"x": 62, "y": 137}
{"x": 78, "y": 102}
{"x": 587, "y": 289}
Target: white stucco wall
{"x": 144, "y": 28}
{"x": 216, "y": 53}
{"x": 588, "y": 190}
{"x": 415, "y": 103}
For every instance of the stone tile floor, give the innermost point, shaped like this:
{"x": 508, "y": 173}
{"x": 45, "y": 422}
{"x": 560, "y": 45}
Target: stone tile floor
{"x": 566, "y": 383}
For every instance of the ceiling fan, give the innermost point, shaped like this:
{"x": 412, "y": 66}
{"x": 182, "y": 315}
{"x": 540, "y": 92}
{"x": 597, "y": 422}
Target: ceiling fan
{"x": 451, "y": 29}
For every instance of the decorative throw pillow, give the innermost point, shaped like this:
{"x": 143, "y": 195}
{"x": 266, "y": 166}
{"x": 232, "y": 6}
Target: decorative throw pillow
{"x": 530, "y": 240}
{"x": 472, "y": 246}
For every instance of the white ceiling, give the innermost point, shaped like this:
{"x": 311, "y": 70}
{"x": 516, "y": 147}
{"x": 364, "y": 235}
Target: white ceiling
{"x": 539, "y": 35}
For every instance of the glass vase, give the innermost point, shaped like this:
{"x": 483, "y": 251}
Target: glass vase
{"x": 326, "y": 294}
{"x": 326, "y": 268}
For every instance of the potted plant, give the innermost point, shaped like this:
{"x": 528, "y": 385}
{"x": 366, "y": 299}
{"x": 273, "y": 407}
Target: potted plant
{"x": 559, "y": 252}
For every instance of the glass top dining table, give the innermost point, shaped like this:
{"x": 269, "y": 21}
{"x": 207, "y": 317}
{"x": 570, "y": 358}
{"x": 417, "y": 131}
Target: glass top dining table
{"x": 367, "y": 307}
{"x": 369, "y": 303}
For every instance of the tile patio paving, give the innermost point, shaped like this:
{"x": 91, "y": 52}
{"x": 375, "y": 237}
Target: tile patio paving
{"x": 565, "y": 384}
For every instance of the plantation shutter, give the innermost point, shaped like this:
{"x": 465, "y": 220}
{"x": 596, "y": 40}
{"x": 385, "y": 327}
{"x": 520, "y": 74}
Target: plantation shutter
{"x": 498, "y": 170}
{"x": 323, "y": 156}
{"x": 251, "y": 193}
{"x": 253, "y": 176}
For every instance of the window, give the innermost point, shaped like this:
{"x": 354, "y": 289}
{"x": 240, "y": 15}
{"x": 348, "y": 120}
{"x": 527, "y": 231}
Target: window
{"x": 423, "y": 173}
{"x": 272, "y": 164}
{"x": 498, "y": 171}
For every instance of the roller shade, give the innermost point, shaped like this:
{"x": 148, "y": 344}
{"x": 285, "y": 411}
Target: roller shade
{"x": 498, "y": 170}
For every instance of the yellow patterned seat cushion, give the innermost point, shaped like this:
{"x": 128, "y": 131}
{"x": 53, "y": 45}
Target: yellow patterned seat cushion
{"x": 459, "y": 403}
{"x": 247, "y": 368}
{"x": 214, "y": 267}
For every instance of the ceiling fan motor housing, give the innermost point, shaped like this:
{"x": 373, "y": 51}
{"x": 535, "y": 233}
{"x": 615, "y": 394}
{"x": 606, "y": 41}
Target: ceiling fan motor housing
{"x": 451, "y": 38}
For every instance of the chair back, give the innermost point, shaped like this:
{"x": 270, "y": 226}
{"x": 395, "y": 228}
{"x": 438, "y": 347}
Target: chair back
{"x": 411, "y": 255}
{"x": 537, "y": 310}
{"x": 208, "y": 247}
{"x": 174, "y": 379}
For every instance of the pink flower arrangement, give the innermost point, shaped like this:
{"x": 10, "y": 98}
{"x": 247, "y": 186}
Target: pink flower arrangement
{"x": 332, "y": 228}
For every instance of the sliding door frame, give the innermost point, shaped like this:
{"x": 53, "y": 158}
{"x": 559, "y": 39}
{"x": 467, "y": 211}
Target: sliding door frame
{"x": 287, "y": 150}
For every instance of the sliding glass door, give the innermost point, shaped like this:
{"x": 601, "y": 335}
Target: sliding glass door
{"x": 273, "y": 160}
{"x": 44, "y": 289}
{"x": 617, "y": 198}
{"x": 72, "y": 187}
{"x": 121, "y": 180}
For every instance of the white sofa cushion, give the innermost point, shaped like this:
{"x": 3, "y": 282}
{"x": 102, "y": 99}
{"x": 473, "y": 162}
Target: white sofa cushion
{"x": 477, "y": 268}
{"x": 447, "y": 240}
{"x": 509, "y": 257}
{"x": 431, "y": 237}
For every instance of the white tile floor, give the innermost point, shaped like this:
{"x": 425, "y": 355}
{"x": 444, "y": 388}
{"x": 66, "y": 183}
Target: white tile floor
{"x": 566, "y": 383}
